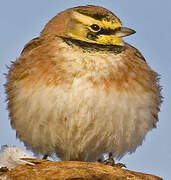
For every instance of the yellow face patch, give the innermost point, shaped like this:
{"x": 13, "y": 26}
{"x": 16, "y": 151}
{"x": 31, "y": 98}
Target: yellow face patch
{"x": 109, "y": 39}
{"x": 80, "y": 26}
{"x": 87, "y": 20}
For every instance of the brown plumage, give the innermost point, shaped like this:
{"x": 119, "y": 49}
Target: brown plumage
{"x": 80, "y": 96}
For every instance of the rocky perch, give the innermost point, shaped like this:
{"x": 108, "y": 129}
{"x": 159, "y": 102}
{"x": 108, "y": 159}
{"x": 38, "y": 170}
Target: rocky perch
{"x": 70, "y": 170}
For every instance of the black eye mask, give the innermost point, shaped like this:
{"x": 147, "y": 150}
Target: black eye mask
{"x": 116, "y": 49}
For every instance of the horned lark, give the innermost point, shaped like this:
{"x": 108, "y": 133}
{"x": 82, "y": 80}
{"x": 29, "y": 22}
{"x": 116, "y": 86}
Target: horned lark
{"x": 78, "y": 90}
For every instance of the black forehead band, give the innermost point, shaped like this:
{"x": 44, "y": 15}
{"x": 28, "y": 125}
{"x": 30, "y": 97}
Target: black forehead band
{"x": 107, "y": 31}
{"x": 98, "y": 16}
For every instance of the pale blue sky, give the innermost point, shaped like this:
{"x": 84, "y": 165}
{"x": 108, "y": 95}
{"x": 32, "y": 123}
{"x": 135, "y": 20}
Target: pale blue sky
{"x": 23, "y": 20}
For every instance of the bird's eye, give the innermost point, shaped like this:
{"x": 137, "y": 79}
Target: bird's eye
{"x": 95, "y": 27}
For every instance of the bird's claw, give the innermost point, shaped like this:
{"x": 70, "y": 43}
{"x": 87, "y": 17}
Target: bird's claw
{"x": 111, "y": 162}
{"x": 120, "y": 165}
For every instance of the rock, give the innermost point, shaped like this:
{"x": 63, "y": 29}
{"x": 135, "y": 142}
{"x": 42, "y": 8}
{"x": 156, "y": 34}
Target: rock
{"x": 71, "y": 170}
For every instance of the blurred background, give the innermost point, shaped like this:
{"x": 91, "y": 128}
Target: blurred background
{"x": 22, "y": 21}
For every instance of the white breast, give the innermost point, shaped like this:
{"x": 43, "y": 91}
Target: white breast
{"x": 81, "y": 122}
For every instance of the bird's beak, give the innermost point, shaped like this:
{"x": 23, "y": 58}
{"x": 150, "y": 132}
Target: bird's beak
{"x": 123, "y": 31}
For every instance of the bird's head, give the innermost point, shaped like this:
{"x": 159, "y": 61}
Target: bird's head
{"x": 92, "y": 24}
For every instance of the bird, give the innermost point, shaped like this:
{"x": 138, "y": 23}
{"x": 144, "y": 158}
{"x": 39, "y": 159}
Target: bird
{"x": 78, "y": 90}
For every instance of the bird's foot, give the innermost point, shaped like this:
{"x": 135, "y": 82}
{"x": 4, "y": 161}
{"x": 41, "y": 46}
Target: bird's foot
{"x": 120, "y": 165}
{"x": 3, "y": 170}
{"x": 45, "y": 157}
{"x": 111, "y": 162}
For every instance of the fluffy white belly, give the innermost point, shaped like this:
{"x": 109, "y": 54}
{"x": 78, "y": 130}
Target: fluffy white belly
{"x": 81, "y": 122}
